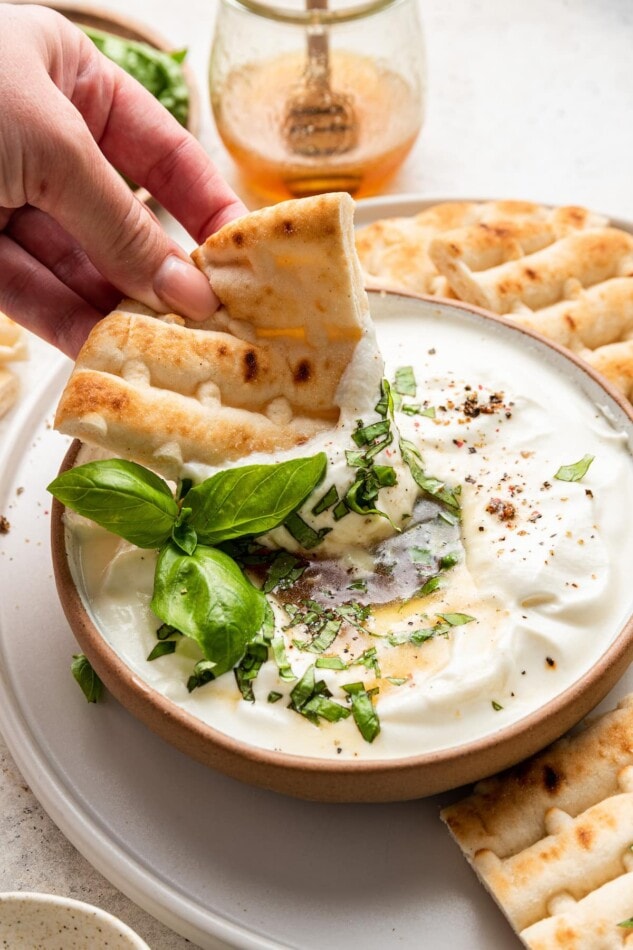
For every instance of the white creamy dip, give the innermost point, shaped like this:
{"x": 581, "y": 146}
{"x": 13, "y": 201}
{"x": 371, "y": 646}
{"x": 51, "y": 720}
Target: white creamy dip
{"x": 544, "y": 569}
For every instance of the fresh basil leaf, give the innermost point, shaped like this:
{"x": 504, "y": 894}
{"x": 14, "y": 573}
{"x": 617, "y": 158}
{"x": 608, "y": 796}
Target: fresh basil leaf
{"x": 162, "y": 648}
{"x": 185, "y": 537}
{"x": 83, "y": 672}
{"x": 576, "y": 471}
{"x": 123, "y": 497}
{"x": 252, "y": 499}
{"x": 365, "y": 716}
{"x": 207, "y": 597}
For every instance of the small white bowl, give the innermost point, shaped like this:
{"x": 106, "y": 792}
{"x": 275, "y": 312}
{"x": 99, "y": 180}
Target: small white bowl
{"x": 49, "y": 922}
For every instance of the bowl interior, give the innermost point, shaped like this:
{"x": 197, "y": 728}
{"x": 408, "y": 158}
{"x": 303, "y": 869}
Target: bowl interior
{"x": 430, "y": 327}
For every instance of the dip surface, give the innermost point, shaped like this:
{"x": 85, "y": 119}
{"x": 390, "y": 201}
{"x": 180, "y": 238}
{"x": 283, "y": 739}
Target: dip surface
{"x": 542, "y": 565}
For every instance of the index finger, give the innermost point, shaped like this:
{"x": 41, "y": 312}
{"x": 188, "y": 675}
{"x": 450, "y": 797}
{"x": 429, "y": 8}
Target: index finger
{"x": 145, "y": 142}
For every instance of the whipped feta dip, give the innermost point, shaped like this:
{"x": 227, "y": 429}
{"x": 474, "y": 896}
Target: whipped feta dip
{"x": 539, "y": 566}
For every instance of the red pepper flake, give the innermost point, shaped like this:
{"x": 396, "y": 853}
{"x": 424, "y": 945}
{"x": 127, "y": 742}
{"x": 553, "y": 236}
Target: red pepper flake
{"x": 458, "y": 443}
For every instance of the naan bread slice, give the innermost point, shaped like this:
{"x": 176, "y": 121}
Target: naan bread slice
{"x": 552, "y": 838}
{"x": 265, "y": 373}
{"x": 395, "y": 252}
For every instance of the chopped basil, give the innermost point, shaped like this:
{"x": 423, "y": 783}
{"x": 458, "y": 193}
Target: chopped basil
{"x": 312, "y": 700}
{"x": 162, "y": 648}
{"x": 422, "y": 556}
{"x": 432, "y": 584}
{"x": 368, "y": 659}
{"x": 360, "y": 584}
{"x": 365, "y": 716}
{"x": 165, "y": 631}
{"x": 496, "y": 706}
{"x": 321, "y": 705}
{"x": 302, "y": 532}
{"x": 340, "y": 511}
{"x": 448, "y": 560}
{"x": 576, "y": 471}
{"x": 202, "y": 673}
{"x": 284, "y": 571}
{"x": 82, "y": 670}
{"x": 416, "y": 636}
{"x": 404, "y": 382}
{"x": 396, "y": 680}
{"x": 326, "y": 501}
{"x": 626, "y": 923}
{"x": 431, "y": 486}
{"x": 385, "y": 405}
{"x": 330, "y": 663}
{"x": 365, "y": 435}
{"x": 281, "y": 659}
{"x": 249, "y": 666}
{"x": 326, "y": 636}
{"x": 274, "y": 696}
{"x": 456, "y": 620}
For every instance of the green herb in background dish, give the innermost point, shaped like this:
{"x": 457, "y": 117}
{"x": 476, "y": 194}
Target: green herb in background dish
{"x": 576, "y": 471}
{"x": 161, "y": 73}
{"x": 90, "y": 683}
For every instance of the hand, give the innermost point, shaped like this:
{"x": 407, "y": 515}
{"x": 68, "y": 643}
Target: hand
{"x": 73, "y": 238}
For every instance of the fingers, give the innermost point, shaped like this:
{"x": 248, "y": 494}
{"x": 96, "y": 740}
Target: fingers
{"x": 93, "y": 204}
{"x": 34, "y": 297}
{"x": 160, "y": 155}
{"x": 46, "y": 241}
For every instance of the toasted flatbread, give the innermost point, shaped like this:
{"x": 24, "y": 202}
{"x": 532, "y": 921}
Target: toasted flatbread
{"x": 560, "y": 271}
{"x": 264, "y": 373}
{"x": 552, "y": 838}
{"x": 9, "y": 388}
{"x": 13, "y": 345}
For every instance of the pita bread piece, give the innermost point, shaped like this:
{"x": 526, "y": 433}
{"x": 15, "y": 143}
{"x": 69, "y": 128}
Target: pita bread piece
{"x": 262, "y": 374}
{"x": 552, "y": 838}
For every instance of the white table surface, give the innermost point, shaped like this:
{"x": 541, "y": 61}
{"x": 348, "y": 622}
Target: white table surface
{"x": 527, "y": 99}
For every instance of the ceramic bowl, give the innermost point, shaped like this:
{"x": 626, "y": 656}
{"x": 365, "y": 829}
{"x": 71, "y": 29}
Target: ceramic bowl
{"x": 413, "y": 775}
{"x": 48, "y": 922}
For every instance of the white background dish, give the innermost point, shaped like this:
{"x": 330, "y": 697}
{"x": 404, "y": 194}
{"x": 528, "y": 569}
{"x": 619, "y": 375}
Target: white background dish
{"x": 48, "y": 922}
{"x": 219, "y": 862}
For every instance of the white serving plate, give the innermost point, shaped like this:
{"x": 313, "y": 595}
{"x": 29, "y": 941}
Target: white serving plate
{"x": 221, "y": 863}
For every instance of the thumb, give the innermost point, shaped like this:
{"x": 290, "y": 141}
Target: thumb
{"x": 85, "y": 194}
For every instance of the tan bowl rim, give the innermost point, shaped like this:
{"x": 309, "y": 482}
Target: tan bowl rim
{"x": 556, "y": 710}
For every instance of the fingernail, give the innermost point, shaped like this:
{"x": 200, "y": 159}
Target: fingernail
{"x": 182, "y": 286}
